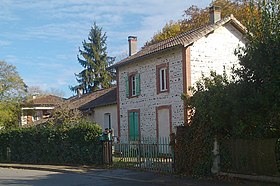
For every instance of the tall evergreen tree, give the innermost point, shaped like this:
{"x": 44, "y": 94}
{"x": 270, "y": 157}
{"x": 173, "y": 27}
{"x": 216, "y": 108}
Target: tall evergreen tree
{"x": 93, "y": 57}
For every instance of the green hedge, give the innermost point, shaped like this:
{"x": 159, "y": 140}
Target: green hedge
{"x": 77, "y": 144}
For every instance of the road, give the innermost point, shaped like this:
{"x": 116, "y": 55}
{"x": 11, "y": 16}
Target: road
{"x": 16, "y": 177}
{"x": 100, "y": 177}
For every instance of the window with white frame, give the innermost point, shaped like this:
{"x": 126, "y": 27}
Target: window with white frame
{"x": 107, "y": 121}
{"x": 133, "y": 85}
{"x": 162, "y": 78}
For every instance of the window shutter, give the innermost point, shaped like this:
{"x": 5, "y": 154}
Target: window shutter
{"x": 131, "y": 126}
{"x": 136, "y": 125}
{"x": 127, "y": 86}
{"x": 137, "y": 79}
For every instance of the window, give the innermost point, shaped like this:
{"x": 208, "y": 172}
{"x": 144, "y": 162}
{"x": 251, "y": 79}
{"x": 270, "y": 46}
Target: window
{"x": 107, "y": 121}
{"x": 133, "y": 85}
{"x": 162, "y": 78}
{"x": 133, "y": 125}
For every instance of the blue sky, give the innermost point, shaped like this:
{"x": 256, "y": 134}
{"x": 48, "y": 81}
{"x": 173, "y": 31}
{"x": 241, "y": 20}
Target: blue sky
{"x": 41, "y": 37}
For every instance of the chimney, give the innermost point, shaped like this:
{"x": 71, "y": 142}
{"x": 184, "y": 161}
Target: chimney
{"x": 132, "y": 44}
{"x": 215, "y": 14}
{"x": 34, "y": 96}
{"x": 79, "y": 92}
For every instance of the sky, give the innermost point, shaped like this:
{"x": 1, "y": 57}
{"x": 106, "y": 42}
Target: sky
{"x": 42, "y": 37}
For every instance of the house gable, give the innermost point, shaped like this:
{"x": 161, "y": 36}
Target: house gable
{"x": 187, "y": 56}
{"x": 184, "y": 39}
{"x": 215, "y": 52}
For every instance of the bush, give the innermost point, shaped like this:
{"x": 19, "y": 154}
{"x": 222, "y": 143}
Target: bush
{"x": 76, "y": 144}
{"x": 193, "y": 151}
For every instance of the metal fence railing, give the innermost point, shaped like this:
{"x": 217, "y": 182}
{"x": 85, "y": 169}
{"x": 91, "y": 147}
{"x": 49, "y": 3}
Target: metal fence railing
{"x": 147, "y": 153}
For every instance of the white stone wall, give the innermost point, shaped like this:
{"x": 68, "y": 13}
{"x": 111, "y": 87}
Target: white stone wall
{"x": 211, "y": 52}
{"x": 149, "y": 99}
{"x": 215, "y": 51}
{"x": 98, "y": 116}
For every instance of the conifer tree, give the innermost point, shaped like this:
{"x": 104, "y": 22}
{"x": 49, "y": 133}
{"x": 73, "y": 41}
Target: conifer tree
{"x": 94, "y": 59}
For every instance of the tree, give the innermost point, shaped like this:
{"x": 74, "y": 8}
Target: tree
{"x": 12, "y": 92}
{"x": 94, "y": 59}
{"x": 170, "y": 29}
{"x": 195, "y": 17}
{"x": 37, "y": 90}
{"x": 11, "y": 85}
{"x": 63, "y": 115}
{"x": 260, "y": 64}
{"x": 250, "y": 105}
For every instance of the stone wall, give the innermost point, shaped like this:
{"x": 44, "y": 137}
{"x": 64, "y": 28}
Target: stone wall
{"x": 149, "y": 99}
{"x": 211, "y": 52}
{"x": 215, "y": 51}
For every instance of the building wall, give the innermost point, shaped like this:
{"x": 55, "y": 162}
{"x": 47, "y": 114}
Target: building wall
{"x": 215, "y": 51}
{"x": 211, "y": 52}
{"x": 149, "y": 100}
{"x": 98, "y": 116}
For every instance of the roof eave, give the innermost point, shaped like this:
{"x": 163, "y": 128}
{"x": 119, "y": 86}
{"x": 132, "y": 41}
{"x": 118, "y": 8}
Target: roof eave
{"x": 96, "y": 106}
{"x": 145, "y": 56}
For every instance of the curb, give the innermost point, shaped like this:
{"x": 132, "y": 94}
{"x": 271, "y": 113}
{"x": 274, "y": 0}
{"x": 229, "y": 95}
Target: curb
{"x": 64, "y": 169}
{"x": 267, "y": 179}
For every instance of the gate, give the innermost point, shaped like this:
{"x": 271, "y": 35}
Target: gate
{"x": 147, "y": 153}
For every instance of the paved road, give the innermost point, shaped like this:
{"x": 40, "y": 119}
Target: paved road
{"x": 97, "y": 177}
{"x": 16, "y": 177}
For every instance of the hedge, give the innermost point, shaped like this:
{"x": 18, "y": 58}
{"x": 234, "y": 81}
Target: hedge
{"x": 77, "y": 144}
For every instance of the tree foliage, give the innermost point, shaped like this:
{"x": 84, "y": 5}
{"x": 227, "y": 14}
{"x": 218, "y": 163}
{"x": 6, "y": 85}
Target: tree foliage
{"x": 12, "y": 91}
{"x": 248, "y": 106}
{"x": 63, "y": 115}
{"x": 94, "y": 59}
{"x": 195, "y": 17}
{"x": 260, "y": 61}
{"x": 37, "y": 90}
{"x": 170, "y": 29}
{"x": 12, "y": 86}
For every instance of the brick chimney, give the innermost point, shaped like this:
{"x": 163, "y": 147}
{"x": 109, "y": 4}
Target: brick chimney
{"x": 132, "y": 44}
{"x": 215, "y": 14}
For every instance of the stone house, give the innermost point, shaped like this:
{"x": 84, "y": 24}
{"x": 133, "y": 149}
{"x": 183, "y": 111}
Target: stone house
{"x": 150, "y": 82}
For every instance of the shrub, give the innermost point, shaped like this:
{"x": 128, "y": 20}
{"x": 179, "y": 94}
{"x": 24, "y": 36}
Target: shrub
{"x": 76, "y": 144}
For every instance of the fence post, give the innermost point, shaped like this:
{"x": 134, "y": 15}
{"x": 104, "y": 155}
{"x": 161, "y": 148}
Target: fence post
{"x": 107, "y": 152}
{"x": 216, "y": 158}
{"x": 139, "y": 152}
{"x": 8, "y": 154}
{"x": 172, "y": 146}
